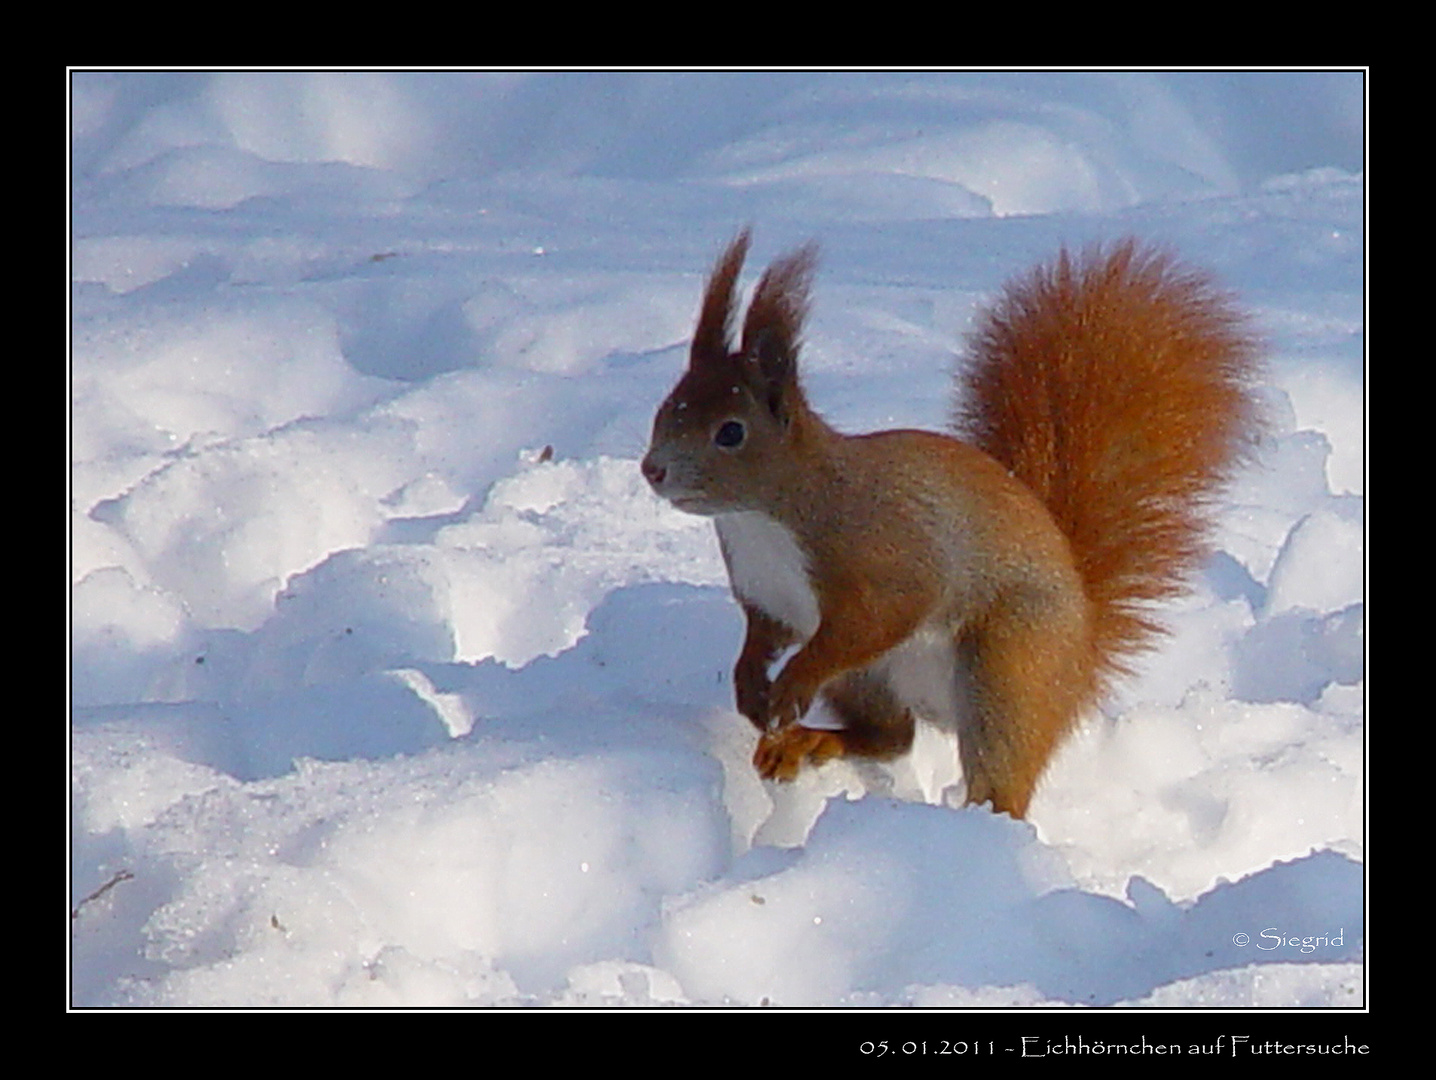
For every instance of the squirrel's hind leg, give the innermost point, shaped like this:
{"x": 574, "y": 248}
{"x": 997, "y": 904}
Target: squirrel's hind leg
{"x": 875, "y": 725}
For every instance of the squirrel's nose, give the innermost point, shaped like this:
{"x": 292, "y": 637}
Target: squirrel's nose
{"x": 653, "y": 472}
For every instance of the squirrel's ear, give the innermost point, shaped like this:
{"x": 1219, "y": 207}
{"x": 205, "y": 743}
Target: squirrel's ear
{"x": 712, "y": 338}
{"x": 774, "y": 326}
{"x": 772, "y": 332}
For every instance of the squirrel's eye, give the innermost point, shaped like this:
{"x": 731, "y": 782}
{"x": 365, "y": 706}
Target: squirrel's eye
{"x": 730, "y": 435}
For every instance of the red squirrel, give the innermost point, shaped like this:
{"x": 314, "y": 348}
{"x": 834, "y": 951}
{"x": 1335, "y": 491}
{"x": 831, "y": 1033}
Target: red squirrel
{"x": 996, "y": 582}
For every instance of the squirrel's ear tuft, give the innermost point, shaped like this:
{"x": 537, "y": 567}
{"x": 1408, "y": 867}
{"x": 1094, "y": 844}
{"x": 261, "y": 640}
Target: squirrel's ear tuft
{"x": 712, "y": 340}
{"x": 773, "y": 329}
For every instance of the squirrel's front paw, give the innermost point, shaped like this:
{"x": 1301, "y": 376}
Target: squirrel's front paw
{"x": 781, "y": 752}
{"x": 787, "y": 704}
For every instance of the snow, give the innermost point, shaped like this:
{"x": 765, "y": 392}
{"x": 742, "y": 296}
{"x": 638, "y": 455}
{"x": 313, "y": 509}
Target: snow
{"x": 392, "y": 683}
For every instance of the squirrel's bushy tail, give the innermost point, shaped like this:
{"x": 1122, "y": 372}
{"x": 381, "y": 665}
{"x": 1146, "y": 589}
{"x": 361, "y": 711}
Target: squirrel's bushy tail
{"x": 1117, "y": 386}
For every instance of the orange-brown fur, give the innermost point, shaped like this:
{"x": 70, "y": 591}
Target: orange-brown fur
{"x": 1107, "y": 398}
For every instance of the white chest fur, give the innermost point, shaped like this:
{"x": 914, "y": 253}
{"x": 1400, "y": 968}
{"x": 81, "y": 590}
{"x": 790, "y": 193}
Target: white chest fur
{"x": 768, "y": 569}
